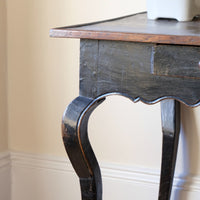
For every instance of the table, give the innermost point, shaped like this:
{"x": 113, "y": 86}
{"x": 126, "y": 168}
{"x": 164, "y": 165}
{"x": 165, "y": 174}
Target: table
{"x": 144, "y": 60}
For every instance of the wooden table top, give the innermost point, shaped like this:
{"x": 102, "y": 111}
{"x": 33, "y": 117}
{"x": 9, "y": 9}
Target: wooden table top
{"x": 136, "y": 28}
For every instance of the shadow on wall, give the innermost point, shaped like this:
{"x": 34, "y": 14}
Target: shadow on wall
{"x": 189, "y": 146}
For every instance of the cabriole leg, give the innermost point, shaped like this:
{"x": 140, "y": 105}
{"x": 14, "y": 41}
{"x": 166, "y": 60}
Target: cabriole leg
{"x": 79, "y": 150}
{"x": 170, "y": 115}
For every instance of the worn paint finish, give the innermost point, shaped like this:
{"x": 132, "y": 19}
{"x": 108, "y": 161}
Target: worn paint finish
{"x": 177, "y": 61}
{"x": 79, "y": 150}
{"x": 170, "y": 116}
{"x": 126, "y": 68}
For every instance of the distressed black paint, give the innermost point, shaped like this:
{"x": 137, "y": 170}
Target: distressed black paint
{"x": 75, "y": 137}
{"x": 126, "y": 68}
{"x": 174, "y": 60}
{"x": 170, "y": 116}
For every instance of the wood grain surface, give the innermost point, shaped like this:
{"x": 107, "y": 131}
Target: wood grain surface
{"x": 177, "y": 61}
{"x": 136, "y": 28}
{"x": 127, "y": 68}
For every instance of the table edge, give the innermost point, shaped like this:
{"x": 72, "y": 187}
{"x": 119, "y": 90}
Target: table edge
{"x": 120, "y": 36}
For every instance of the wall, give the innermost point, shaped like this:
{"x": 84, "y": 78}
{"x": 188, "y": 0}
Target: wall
{"x": 3, "y": 78}
{"x": 5, "y": 184}
{"x": 43, "y": 79}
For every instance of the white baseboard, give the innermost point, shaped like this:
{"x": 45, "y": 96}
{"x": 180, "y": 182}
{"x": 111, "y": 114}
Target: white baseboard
{"x": 37, "y": 177}
{"x": 5, "y": 172}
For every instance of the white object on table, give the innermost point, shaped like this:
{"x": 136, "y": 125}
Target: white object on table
{"x": 181, "y": 10}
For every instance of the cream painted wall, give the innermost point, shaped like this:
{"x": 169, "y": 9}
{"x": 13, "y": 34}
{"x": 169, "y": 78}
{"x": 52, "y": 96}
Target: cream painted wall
{"x": 43, "y": 72}
{"x": 43, "y": 79}
{"x": 3, "y": 79}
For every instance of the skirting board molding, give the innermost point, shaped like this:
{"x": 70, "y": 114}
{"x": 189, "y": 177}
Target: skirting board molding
{"x": 51, "y": 178}
{"x": 5, "y": 180}
{"x": 4, "y": 159}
